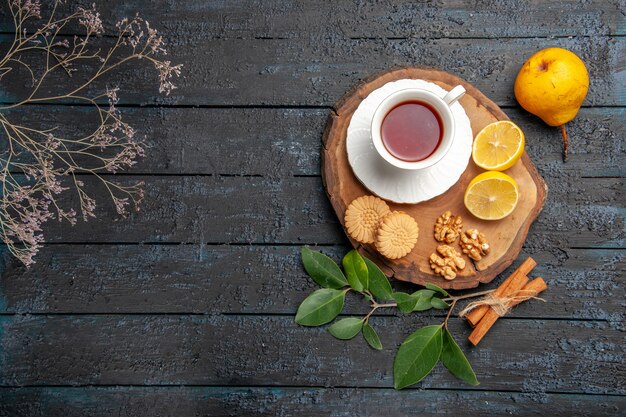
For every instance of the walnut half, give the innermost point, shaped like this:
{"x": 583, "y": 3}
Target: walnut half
{"x": 474, "y": 244}
{"x": 448, "y": 227}
{"x": 447, "y": 262}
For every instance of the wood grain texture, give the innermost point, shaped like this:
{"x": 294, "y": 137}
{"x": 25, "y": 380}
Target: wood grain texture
{"x": 200, "y": 279}
{"x": 305, "y": 402}
{"x": 578, "y": 357}
{"x": 318, "y": 70}
{"x": 506, "y": 236}
{"x": 226, "y": 209}
{"x": 283, "y": 65}
{"x": 283, "y": 142}
{"x": 197, "y": 19}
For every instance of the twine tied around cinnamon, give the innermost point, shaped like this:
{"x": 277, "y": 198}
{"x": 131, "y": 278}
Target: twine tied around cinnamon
{"x": 501, "y": 304}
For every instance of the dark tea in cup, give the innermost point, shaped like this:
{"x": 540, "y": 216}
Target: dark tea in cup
{"x": 412, "y": 131}
{"x": 413, "y": 128}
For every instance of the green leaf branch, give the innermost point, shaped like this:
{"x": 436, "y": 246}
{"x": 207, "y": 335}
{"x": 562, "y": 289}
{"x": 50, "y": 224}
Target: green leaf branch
{"x": 420, "y": 352}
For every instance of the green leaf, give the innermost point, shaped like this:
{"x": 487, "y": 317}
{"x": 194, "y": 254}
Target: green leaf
{"x": 321, "y": 307}
{"x": 356, "y": 270}
{"x": 406, "y": 302}
{"x": 346, "y": 329}
{"x": 423, "y": 302}
{"x": 439, "y": 303}
{"x": 371, "y": 337}
{"x": 456, "y": 362}
{"x": 378, "y": 283}
{"x": 322, "y": 269}
{"x": 417, "y": 356}
{"x": 438, "y": 289}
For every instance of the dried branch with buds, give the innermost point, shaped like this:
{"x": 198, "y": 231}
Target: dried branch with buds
{"x": 38, "y": 164}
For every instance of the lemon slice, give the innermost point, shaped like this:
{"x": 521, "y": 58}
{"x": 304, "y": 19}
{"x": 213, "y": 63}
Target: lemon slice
{"x": 492, "y": 195}
{"x": 498, "y": 146}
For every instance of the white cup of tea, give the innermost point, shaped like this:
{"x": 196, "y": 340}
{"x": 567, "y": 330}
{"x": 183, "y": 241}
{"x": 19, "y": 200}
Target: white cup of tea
{"x": 414, "y": 128}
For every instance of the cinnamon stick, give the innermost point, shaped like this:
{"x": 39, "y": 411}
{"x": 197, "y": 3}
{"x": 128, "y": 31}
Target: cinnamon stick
{"x": 531, "y": 289}
{"x": 474, "y": 316}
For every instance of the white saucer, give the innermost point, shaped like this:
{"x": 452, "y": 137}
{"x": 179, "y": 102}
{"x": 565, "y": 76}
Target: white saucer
{"x": 395, "y": 184}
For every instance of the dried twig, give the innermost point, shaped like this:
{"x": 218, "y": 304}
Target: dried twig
{"x": 36, "y": 164}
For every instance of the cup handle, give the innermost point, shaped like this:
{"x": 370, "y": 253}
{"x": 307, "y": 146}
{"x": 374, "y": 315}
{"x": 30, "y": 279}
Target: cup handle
{"x": 454, "y": 94}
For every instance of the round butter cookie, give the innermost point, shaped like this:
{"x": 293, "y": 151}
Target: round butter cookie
{"x": 362, "y": 217}
{"x": 397, "y": 235}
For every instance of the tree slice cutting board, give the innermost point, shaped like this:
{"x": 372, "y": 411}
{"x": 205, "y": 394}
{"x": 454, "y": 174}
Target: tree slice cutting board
{"x": 505, "y": 236}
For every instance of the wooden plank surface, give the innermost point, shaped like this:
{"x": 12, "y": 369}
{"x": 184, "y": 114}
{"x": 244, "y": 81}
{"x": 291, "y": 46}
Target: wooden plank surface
{"x": 195, "y": 19}
{"x": 317, "y": 70}
{"x": 307, "y": 402}
{"x": 227, "y": 209}
{"x": 581, "y": 357}
{"x": 206, "y": 327}
{"x": 282, "y": 142}
{"x": 158, "y": 279}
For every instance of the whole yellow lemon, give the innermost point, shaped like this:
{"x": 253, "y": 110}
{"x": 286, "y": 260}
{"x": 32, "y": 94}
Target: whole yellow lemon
{"x": 552, "y": 84}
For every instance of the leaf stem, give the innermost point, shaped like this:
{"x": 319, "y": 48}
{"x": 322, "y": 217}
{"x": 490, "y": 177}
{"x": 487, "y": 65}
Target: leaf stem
{"x": 455, "y": 299}
{"x": 367, "y": 317}
{"x": 472, "y": 295}
{"x": 376, "y": 306}
{"x": 445, "y": 322}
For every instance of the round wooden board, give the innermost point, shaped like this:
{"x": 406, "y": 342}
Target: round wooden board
{"x": 505, "y": 236}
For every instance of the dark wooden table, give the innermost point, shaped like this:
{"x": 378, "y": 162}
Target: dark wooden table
{"x": 187, "y": 307}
